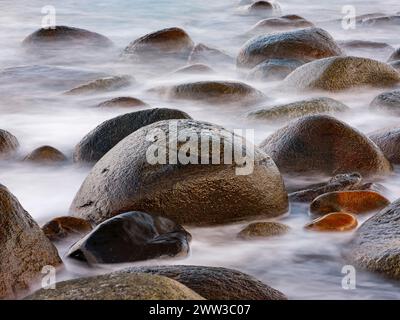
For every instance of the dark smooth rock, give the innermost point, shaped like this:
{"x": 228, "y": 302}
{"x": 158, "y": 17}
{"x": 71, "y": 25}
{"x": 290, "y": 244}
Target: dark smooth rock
{"x": 262, "y": 230}
{"x": 297, "y": 109}
{"x": 341, "y": 73}
{"x": 388, "y": 140}
{"x": 8, "y": 144}
{"x": 375, "y": 246}
{"x": 46, "y": 155}
{"x": 215, "y": 283}
{"x": 118, "y": 286}
{"x": 105, "y": 136}
{"x": 273, "y": 69}
{"x": 24, "y": 248}
{"x": 323, "y": 144}
{"x": 64, "y": 227}
{"x": 132, "y": 236}
{"x": 395, "y": 64}
{"x": 304, "y": 44}
{"x": 205, "y": 194}
{"x": 388, "y": 102}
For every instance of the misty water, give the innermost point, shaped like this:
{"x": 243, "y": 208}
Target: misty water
{"x": 301, "y": 264}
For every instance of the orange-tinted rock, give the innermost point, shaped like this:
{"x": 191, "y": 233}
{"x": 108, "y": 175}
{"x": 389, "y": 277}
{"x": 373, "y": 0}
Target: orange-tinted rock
{"x": 63, "y": 227}
{"x": 349, "y": 201}
{"x": 335, "y": 221}
{"x": 263, "y": 229}
{"x": 46, "y": 154}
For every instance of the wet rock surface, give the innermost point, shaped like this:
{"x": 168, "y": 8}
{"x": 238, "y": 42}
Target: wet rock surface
{"x": 46, "y": 155}
{"x": 118, "y": 286}
{"x": 341, "y": 73}
{"x": 387, "y": 102}
{"x": 284, "y": 23}
{"x": 122, "y": 102}
{"x": 360, "y": 201}
{"x": 207, "y": 55}
{"x": 64, "y": 227}
{"x": 105, "y": 136}
{"x": 215, "y": 283}
{"x": 335, "y": 221}
{"x": 323, "y": 144}
{"x": 190, "y": 193}
{"x": 375, "y": 246}
{"x": 273, "y": 69}
{"x": 8, "y": 144}
{"x": 258, "y": 230}
{"x": 297, "y": 109}
{"x": 132, "y": 236}
{"x": 103, "y": 84}
{"x": 304, "y": 44}
{"x": 388, "y": 140}
{"x": 24, "y": 248}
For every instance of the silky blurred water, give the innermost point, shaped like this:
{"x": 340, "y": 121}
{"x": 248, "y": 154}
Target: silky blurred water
{"x": 301, "y": 264}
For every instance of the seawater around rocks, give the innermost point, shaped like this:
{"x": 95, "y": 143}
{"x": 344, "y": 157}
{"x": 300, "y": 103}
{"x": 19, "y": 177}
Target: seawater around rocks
{"x": 301, "y": 264}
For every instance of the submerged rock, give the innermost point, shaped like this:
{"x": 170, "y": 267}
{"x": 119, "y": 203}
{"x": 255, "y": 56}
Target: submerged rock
{"x": 304, "y": 44}
{"x": 103, "y": 84}
{"x": 395, "y": 55}
{"x": 260, "y": 8}
{"x": 64, "y": 37}
{"x": 388, "y": 140}
{"x": 263, "y": 229}
{"x": 375, "y": 246}
{"x": 132, "y": 236}
{"x": 204, "y": 54}
{"x": 365, "y": 48}
{"x": 323, "y": 144}
{"x": 105, "y": 136}
{"x": 340, "y": 182}
{"x": 388, "y": 102}
{"x": 46, "y": 155}
{"x": 63, "y": 227}
{"x": 8, "y": 144}
{"x": 335, "y": 221}
{"x": 167, "y": 44}
{"x": 341, "y": 73}
{"x": 280, "y": 24}
{"x": 298, "y": 109}
{"x": 24, "y": 248}
{"x": 122, "y": 102}
{"x": 196, "y": 190}
{"x": 356, "y": 202}
{"x": 221, "y": 92}
{"x": 118, "y": 286}
{"x": 214, "y": 283}
{"x": 273, "y": 69}
{"x": 197, "y": 68}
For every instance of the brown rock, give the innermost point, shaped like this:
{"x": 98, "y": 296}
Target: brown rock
{"x": 388, "y": 140}
{"x": 197, "y": 68}
{"x": 207, "y": 55}
{"x": 280, "y": 24}
{"x": 221, "y": 92}
{"x": 263, "y": 229}
{"x": 341, "y": 73}
{"x": 323, "y": 144}
{"x": 335, "y": 221}
{"x": 63, "y": 227}
{"x": 118, "y": 286}
{"x": 24, "y": 249}
{"x": 194, "y": 193}
{"x": 123, "y": 102}
{"x": 8, "y": 144}
{"x": 348, "y": 201}
{"x": 46, "y": 155}
{"x": 304, "y": 44}
{"x": 101, "y": 85}
{"x": 170, "y": 43}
